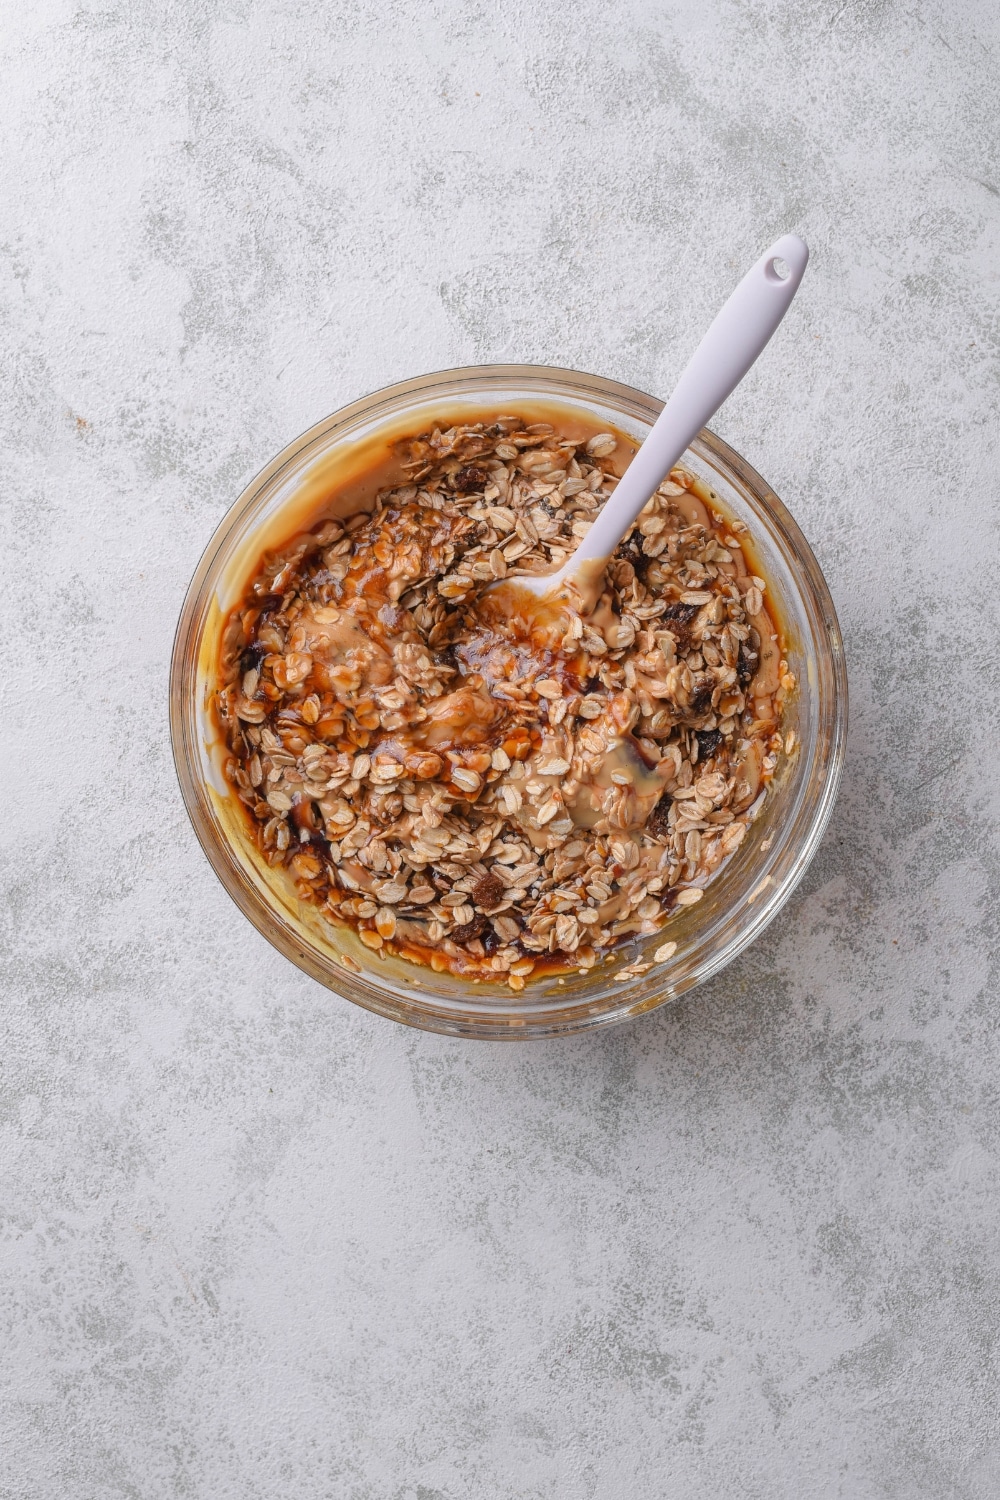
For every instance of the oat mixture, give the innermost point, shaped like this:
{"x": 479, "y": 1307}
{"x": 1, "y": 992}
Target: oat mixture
{"x": 464, "y": 787}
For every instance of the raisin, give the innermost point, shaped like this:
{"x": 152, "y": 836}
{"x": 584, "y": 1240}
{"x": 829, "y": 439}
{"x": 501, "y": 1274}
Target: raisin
{"x": 633, "y": 553}
{"x": 701, "y": 699}
{"x": 488, "y": 891}
{"x": 471, "y": 478}
{"x": 746, "y": 665}
{"x": 252, "y": 657}
{"x": 469, "y": 930}
{"x": 709, "y": 741}
{"x": 680, "y": 614}
{"x": 657, "y": 825}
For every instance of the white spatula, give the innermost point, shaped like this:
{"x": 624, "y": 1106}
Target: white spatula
{"x": 731, "y": 345}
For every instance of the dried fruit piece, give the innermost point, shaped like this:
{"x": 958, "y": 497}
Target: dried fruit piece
{"x": 488, "y": 891}
{"x": 471, "y": 478}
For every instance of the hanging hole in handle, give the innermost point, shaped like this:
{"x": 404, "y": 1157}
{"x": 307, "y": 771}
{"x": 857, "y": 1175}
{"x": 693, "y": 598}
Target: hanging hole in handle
{"x": 777, "y": 269}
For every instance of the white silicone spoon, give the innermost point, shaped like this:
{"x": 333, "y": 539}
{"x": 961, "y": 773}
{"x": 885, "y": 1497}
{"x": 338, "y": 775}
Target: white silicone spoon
{"x": 737, "y": 336}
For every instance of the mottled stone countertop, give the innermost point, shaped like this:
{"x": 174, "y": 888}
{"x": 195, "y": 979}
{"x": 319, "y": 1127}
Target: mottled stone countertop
{"x": 256, "y": 1243}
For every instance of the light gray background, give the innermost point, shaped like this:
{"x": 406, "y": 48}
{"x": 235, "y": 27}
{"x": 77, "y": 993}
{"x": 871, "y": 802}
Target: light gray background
{"x": 257, "y": 1243}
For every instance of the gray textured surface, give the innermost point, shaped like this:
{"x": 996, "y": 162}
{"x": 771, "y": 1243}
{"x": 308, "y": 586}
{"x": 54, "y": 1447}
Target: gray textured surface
{"x": 256, "y": 1243}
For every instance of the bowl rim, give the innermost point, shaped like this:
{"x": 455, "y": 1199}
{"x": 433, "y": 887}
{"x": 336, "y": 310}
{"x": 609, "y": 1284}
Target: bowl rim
{"x": 494, "y": 1023}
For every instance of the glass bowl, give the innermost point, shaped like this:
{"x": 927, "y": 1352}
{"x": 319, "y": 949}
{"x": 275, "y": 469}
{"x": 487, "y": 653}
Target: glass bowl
{"x": 744, "y": 895}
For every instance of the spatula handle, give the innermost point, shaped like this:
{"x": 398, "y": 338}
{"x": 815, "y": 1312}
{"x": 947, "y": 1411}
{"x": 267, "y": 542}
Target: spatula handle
{"x": 734, "y": 340}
